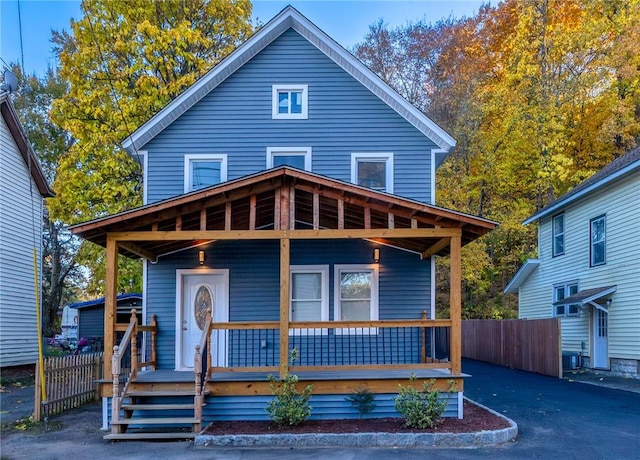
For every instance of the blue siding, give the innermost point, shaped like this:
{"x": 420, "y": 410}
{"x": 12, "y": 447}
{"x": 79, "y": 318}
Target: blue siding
{"x": 324, "y": 407}
{"x": 344, "y": 117}
{"x": 254, "y": 284}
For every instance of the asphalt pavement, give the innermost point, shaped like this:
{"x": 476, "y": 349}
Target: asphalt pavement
{"x": 557, "y": 419}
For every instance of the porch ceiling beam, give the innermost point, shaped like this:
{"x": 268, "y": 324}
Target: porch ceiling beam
{"x": 422, "y": 213}
{"x": 292, "y": 234}
{"x": 436, "y": 248}
{"x": 139, "y": 251}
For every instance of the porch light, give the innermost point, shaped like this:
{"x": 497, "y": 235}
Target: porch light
{"x": 376, "y": 255}
{"x": 201, "y": 257}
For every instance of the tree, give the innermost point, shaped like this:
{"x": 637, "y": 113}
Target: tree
{"x": 124, "y": 61}
{"x": 539, "y": 94}
{"x": 62, "y": 277}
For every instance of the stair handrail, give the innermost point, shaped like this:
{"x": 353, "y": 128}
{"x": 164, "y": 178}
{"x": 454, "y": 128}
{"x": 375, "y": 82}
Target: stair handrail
{"x": 130, "y": 337}
{"x": 203, "y": 345}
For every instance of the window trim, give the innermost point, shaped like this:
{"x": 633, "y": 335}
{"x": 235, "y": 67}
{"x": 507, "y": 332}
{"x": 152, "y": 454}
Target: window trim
{"x": 566, "y": 285}
{"x": 324, "y": 303}
{"x": 277, "y": 89}
{"x": 554, "y": 253}
{"x": 373, "y": 156}
{"x": 290, "y": 151}
{"x": 189, "y": 157}
{"x": 602, "y": 217}
{"x": 374, "y": 310}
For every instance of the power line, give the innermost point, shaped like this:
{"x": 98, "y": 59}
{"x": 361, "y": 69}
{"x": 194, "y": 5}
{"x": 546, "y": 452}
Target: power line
{"x": 21, "y": 45}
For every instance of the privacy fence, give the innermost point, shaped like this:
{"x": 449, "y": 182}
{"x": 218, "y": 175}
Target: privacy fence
{"x": 532, "y": 345}
{"x": 70, "y": 381}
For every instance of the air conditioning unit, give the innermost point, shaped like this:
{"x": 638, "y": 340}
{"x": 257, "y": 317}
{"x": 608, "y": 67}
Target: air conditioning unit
{"x": 570, "y": 360}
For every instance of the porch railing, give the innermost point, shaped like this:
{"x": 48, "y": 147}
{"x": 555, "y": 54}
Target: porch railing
{"x": 329, "y": 345}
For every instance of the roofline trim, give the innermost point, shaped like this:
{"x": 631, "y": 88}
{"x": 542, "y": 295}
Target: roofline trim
{"x": 24, "y": 146}
{"x": 593, "y": 187}
{"x": 521, "y": 275}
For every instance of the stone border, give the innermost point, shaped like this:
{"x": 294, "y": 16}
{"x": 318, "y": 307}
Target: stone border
{"x": 477, "y": 439}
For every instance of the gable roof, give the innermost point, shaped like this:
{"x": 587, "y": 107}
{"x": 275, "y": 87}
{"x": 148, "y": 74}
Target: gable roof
{"x": 30, "y": 158}
{"x": 253, "y": 203}
{"x": 615, "y": 170}
{"x": 288, "y": 18}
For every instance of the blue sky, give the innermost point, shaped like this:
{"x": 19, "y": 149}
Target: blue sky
{"x": 345, "y": 21}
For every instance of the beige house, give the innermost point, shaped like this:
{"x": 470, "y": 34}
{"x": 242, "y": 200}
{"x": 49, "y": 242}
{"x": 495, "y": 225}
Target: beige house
{"x": 588, "y": 268}
{"x": 22, "y": 189}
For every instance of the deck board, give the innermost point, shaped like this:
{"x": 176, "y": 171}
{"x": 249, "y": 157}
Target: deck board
{"x": 173, "y": 376}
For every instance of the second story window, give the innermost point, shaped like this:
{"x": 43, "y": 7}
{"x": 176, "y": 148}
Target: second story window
{"x": 203, "y": 170}
{"x": 298, "y": 157}
{"x": 289, "y": 102}
{"x": 598, "y": 235}
{"x": 373, "y": 170}
{"x": 558, "y": 235}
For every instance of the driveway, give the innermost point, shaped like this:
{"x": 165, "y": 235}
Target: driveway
{"x": 556, "y": 419}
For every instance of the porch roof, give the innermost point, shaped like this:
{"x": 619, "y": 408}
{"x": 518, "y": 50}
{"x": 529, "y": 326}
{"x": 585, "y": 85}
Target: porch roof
{"x": 587, "y": 296}
{"x": 283, "y": 202}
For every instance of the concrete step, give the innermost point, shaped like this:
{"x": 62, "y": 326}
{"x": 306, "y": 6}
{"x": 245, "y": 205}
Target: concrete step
{"x": 150, "y": 435}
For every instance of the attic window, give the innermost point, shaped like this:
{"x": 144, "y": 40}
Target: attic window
{"x": 289, "y": 102}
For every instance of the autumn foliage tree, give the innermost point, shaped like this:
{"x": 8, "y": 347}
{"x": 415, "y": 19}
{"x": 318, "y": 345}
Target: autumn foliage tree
{"x": 123, "y": 61}
{"x": 539, "y": 94}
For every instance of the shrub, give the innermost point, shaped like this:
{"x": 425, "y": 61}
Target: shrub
{"x": 289, "y": 407}
{"x": 420, "y": 408}
{"x": 362, "y": 401}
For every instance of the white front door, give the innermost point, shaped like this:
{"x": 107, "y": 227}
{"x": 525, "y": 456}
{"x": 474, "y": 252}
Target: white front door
{"x": 600, "y": 339}
{"x": 198, "y": 293}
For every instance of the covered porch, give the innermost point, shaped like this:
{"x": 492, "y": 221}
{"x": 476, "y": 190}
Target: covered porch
{"x": 287, "y": 206}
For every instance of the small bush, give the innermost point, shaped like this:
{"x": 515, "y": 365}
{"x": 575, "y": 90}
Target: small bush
{"x": 420, "y": 409}
{"x": 363, "y": 401}
{"x": 289, "y": 407}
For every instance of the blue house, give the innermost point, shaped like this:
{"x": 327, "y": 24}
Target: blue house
{"x": 289, "y": 204}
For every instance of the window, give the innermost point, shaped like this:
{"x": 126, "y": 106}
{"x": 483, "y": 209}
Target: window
{"x": 598, "y": 241}
{"x": 558, "y": 235}
{"x": 203, "y": 170}
{"x": 356, "y": 295}
{"x": 373, "y": 170}
{"x": 562, "y": 291}
{"x": 298, "y": 157}
{"x": 289, "y": 101}
{"x": 309, "y": 291}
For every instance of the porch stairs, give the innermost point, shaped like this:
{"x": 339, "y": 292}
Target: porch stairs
{"x": 158, "y": 405}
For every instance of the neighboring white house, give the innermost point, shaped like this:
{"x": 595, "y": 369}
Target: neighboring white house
{"x": 588, "y": 268}
{"x": 22, "y": 189}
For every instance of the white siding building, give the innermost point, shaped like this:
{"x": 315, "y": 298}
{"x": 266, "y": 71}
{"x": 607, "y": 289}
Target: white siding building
{"x": 588, "y": 268}
{"x": 22, "y": 188}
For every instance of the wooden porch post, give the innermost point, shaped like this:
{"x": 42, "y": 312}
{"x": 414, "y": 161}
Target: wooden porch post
{"x": 455, "y": 305}
{"x": 285, "y": 248}
{"x": 110, "y": 304}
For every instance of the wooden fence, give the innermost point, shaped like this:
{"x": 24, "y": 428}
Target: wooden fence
{"x": 70, "y": 381}
{"x": 532, "y": 345}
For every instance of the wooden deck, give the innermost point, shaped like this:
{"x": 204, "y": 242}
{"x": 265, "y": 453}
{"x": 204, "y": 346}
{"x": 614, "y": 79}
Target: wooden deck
{"x": 324, "y": 382}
